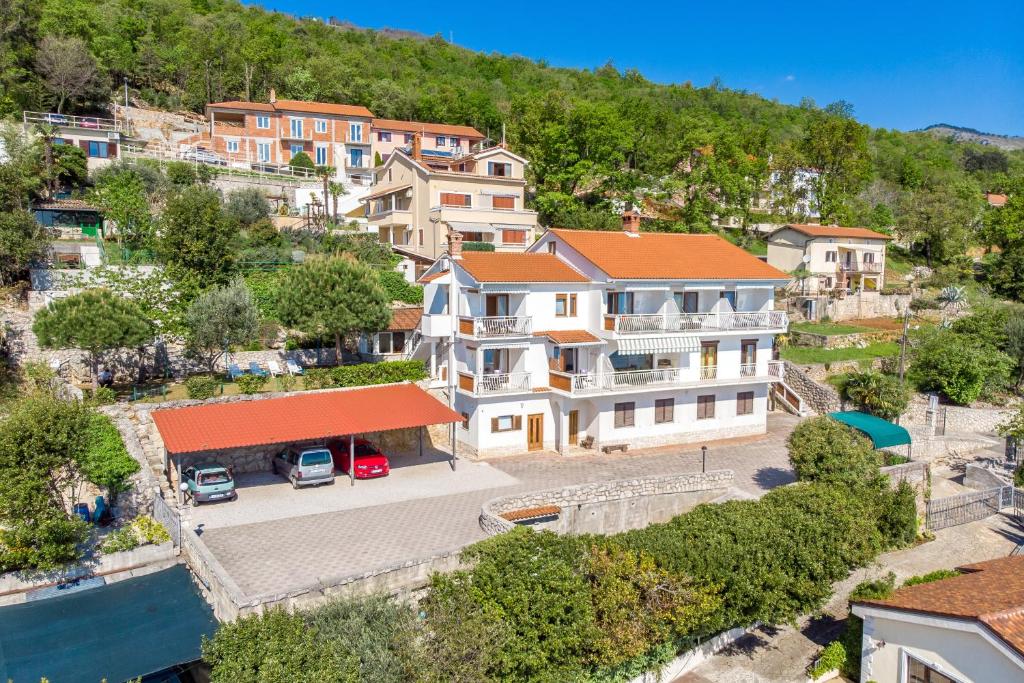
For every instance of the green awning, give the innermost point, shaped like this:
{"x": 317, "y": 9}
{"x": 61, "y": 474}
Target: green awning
{"x": 880, "y": 432}
{"x": 115, "y": 632}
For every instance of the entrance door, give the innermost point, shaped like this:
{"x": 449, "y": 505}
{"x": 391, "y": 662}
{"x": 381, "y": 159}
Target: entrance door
{"x": 574, "y": 427}
{"x": 534, "y": 432}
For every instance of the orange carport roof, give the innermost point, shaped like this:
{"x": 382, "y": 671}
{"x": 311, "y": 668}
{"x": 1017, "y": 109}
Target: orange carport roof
{"x": 302, "y": 417}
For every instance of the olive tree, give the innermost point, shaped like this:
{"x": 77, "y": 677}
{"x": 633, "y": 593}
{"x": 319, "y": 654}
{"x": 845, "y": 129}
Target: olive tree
{"x": 220, "y": 317}
{"x": 96, "y": 321}
{"x": 337, "y": 297}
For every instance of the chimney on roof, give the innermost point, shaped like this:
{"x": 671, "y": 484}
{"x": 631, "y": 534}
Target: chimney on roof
{"x": 273, "y": 96}
{"x": 455, "y": 244}
{"x": 417, "y": 146}
{"x": 631, "y": 222}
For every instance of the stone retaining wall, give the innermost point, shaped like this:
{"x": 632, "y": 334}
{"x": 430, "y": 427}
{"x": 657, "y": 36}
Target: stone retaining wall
{"x": 867, "y": 305}
{"x": 821, "y": 398}
{"x": 613, "y": 506}
{"x": 980, "y": 420}
{"x": 840, "y": 341}
{"x": 982, "y": 477}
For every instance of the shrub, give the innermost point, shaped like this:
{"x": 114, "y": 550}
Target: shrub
{"x": 880, "y": 395}
{"x": 823, "y": 449}
{"x": 142, "y": 531}
{"x": 477, "y": 246}
{"x": 319, "y": 378}
{"x": 201, "y": 387}
{"x": 366, "y": 374}
{"x": 399, "y": 289}
{"x": 832, "y": 657}
{"x": 301, "y": 160}
{"x": 105, "y": 460}
{"x": 897, "y": 519}
{"x": 286, "y": 382}
{"x": 1018, "y": 476}
{"x": 119, "y": 540}
{"x": 955, "y": 365}
{"x": 936, "y": 575}
{"x": 894, "y": 458}
{"x": 251, "y": 384}
{"x": 247, "y": 205}
{"x": 101, "y": 396}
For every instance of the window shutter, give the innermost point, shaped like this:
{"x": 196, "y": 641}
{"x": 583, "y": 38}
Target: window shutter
{"x": 517, "y": 422}
{"x": 494, "y": 424}
{"x": 503, "y": 202}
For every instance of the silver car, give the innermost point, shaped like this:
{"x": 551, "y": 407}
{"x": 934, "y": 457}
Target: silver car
{"x": 309, "y": 467}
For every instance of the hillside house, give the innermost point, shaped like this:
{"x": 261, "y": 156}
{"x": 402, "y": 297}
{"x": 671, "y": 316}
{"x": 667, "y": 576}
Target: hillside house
{"x": 830, "y": 258}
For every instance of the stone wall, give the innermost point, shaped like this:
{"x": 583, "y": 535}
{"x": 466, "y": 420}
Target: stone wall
{"x": 867, "y": 305}
{"x": 821, "y": 398}
{"x": 840, "y": 341}
{"x": 613, "y": 506}
{"x": 820, "y": 372}
{"x": 981, "y": 477}
{"x": 979, "y": 420}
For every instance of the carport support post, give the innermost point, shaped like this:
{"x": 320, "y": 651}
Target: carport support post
{"x": 454, "y": 441}
{"x": 421, "y": 440}
{"x": 352, "y": 459}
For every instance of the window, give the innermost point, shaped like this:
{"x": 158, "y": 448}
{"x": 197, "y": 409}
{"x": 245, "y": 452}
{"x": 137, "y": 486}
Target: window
{"x": 686, "y": 302}
{"x": 355, "y": 158}
{"x": 320, "y": 125}
{"x": 465, "y": 420}
{"x": 232, "y": 146}
{"x": 499, "y": 169}
{"x": 295, "y": 149}
{"x": 561, "y": 305}
{"x": 440, "y": 141}
{"x": 705, "y": 407}
{"x": 552, "y": 247}
{"x": 421, "y": 236}
{"x": 495, "y": 361}
{"x": 295, "y": 128}
{"x": 408, "y": 138}
{"x": 321, "y": 155}
{"x": 730, "y": 296}
{"x": 624, "y": 414}
{"x": 453, "y": 142}
{"x": 506, "y": 423}
{"x": 504, "y": 203}
{"x": 748, "y": 357}
{"x": 98, "y": 150}
{"x": 664, "y": 410}
{"x": 513, "y": 237}
{"x": 263, "y": 151}
{"x": 831, "y": 256}
{"x": 869, "y": 257}
{"x": 919, "y": 672}
{"x": 263, "y": 122}
{"x": 456, "y": 199}
{"x": 744, "y": 403}
{"x": 355, "y": 132}
{"x": 620, "y": 303}
{"x": 383, "y": 136}
{"x": 390, "y": 342}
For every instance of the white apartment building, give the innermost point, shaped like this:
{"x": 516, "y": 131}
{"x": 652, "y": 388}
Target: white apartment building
{"x": 603, "y": 338}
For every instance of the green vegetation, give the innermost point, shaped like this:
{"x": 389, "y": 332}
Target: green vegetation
{"x": 142, "y": 530}
{"x": 365, "y": 374}
{"x": 105, "y": 460}
{"x": 823, "y": 449}
{"x": 833, "y": 656}
{"x": 809, "y": 355}
{"x": 201, "y": 386}
{"x": 252, "y": 384}
{"x": 828, "y": 328}
{"x": 881, "y": 395}
{"x": 220, "y": 318}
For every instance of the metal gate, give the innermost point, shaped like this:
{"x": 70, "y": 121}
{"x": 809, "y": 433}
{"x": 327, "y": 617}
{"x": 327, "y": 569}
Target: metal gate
{"x": 940, "y": 421}
{"x": 168, "y": 517}
{"x": 969, "y": 507}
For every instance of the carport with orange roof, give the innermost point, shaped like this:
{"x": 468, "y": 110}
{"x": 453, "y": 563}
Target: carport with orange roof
{"x": 301, "y": 417}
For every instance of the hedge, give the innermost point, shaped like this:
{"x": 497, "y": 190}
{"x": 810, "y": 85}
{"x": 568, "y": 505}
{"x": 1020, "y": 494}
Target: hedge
{"x": 365, "y": 374}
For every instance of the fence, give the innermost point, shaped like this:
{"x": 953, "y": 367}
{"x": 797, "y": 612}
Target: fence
{"x": 970, "y": 507}
{"x": 163, "y": 513}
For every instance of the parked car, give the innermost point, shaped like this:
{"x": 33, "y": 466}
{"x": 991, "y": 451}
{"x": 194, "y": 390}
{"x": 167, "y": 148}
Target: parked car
{"x": 208, "y": 482}
{"x": 370, "y": 462}
{"x": 202, "y": 156}
{"x": 309, "y": 467}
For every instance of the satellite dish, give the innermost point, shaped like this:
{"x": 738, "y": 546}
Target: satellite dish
{"x": 806, "y": 258}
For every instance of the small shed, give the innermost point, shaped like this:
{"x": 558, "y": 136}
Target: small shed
{"x": 69, "y": 213}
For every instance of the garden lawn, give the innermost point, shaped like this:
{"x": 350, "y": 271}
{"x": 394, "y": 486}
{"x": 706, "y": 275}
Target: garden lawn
{"x": 802, "y": 355}
{"x": 828, "y": 329}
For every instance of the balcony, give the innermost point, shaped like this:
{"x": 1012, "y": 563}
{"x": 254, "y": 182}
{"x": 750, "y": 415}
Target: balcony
{"x": 634, "y": 380}
{"x": 493, "y": 327}
{"x": 657, "y": 323}
{"x": 68, "y": 121}
{"x": 297, "y": 136}
{"x": 867, "y": 268}
{"x": 499, "y": 383}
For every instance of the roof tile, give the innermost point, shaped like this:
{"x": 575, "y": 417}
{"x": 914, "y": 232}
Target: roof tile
{"x": 492, "y": 266}
{"x": 424, "y": 127}
{"x": 405, "y": 318}
{"x": 567, "y": 337}
{"x": 837, "y": 231}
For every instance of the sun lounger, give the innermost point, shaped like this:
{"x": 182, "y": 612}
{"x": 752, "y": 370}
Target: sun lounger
{"x": 234, "y": 372}
{"x": 255, "y": 369}
{"x": 274, "y": 368}
{"x": 293, "y": 367}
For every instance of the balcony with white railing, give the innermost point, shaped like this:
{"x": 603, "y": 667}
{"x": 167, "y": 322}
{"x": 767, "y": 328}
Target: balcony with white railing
{"x": 69, "y": 121}
{"x": 657, "y": 323}
{"x": 497, "y": 383}
{"x": 638, "y": 380}
{"x": 490, "y": 327}
{"x": 777, "y": 369}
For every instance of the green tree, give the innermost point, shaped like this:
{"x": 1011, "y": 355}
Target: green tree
{"x": 957, "y": 366}
{"x": 196, "y": 238}
{"x": 122, "y": 198}
{"x": 96, "y": 321}
{"x": 823, "y": 449}
{"x": 837, "y": 145}
{"x": 220, "y": 318}
{"x": 337, "y": 297}
{"x": 1015, "y": 344}
{"x": 69, "y": 70}
{"x": 336, "y": 191}
{"x": 22, "y": 240}
{"x": 247, "y": 205}
{"x": 940, "y": 220}
{"x": 881, "y": 395}
{"x": 301, "y": 160}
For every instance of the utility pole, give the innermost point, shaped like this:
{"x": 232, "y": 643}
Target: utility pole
{"x": 126, "y": 105}
{"x": 903, "y": 342}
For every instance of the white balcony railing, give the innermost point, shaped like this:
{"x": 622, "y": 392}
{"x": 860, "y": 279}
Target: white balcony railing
{"x": 503, "y": 383}
{"x": 776, "y": 369}
{"x": 646, "y": 323}
{"x": 627, "y": 379}
{"x": 708, "y": 372}
{"x": 68, "y": 121}
{"x": 498, "y": 326}
{"x": 748, "y": 370}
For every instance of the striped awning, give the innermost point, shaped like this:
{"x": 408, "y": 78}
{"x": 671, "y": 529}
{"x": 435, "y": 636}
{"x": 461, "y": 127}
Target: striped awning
{"x": 470, "y": 227}
{"x": 658, "y": 344}
{"x": 510, "y": 226}
{"x": 499, "y": 344}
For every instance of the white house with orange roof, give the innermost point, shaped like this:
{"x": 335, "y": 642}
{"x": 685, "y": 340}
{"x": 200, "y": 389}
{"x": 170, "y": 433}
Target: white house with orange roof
{"x": 830, "y": 257}
{"x": 603, "y": 339}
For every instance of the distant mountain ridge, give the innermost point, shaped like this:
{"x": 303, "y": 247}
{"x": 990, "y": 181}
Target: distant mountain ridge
{"x": 964, "y": 134}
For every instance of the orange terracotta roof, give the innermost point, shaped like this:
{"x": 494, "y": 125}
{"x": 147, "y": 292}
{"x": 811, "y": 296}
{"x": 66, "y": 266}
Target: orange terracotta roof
{"x": 991, "y": 593}
{"x": 424, "y": 127}
{"x": 569, "y": 337}
{"x": 296, "y": 105}
{"x": 302, "y": 417}
{"x": 430, "y": 277}
{"x": 667, "y": 256}
{"x": 837, "y": 231}
{"x": 493, "y": 266}
{"x": 405, "y": 318}
{"x": 996, "y": 199}
{"x": 238, "y": 104}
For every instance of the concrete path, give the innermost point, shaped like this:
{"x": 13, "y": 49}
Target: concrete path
{"x": 288, "y": 553}
{"x": 780, "y": 655}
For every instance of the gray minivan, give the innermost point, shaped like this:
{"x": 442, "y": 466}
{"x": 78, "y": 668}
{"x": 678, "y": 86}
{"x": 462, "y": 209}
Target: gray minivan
{"x": 309, "y": 467}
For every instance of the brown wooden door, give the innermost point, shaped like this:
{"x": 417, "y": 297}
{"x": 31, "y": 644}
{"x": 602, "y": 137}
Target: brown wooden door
{"x": 534, "y": 432}
{"x": 574, "y": 427}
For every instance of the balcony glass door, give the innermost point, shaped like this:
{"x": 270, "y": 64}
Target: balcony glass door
{"x": 686, "y": 302}
{"x": 729, "y": 296}
{"x": 708, "y": 360}
{"x": 620, "y": 303}
{"x": 495, "y": 361}
{"x": 496, "y": 305}
{"x": 355, "y": 158}
{"x": 295, "y": 127}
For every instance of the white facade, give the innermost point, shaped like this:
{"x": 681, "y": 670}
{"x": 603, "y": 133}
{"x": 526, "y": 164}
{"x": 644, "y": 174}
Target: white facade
{"x": 848, "y": 263}
{"x": 545, "y": 365}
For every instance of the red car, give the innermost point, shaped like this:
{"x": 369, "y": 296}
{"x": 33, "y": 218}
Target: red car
{"x": 370, "y": 462}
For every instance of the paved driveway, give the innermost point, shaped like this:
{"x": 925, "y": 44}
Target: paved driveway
{"x": 288, "y": 553}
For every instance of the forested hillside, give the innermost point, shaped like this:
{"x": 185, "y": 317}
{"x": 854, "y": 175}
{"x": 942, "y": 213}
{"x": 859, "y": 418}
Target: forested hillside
{"x": 697, "y": 153}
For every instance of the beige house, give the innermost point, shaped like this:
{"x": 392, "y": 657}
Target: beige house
{"x": 419, "y": 198}
{"x": 834, "y": 258}
{"x": 964, "y": 629}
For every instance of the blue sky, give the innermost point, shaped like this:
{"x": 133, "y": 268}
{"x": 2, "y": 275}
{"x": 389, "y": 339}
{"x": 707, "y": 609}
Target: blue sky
{"x": 903, "y": 64}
